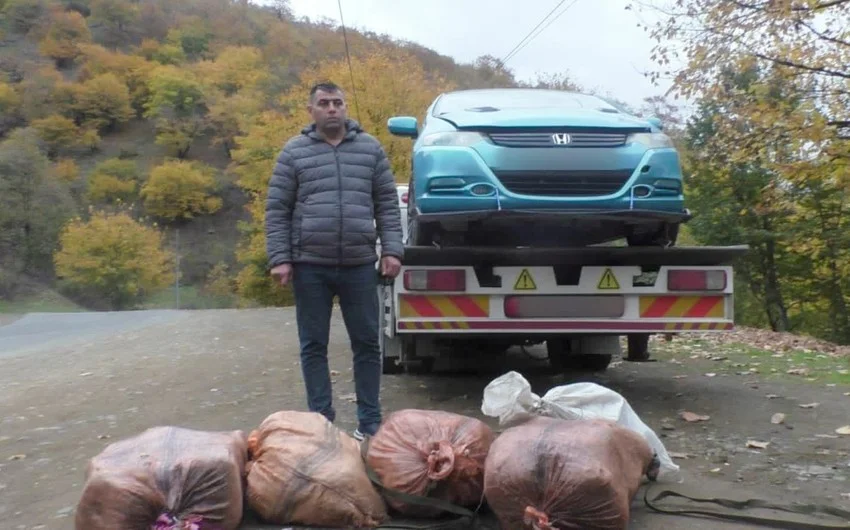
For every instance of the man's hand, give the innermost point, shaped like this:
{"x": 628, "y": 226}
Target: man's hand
{"x": 282, "y": 273}
{"x": 390, "y": 266}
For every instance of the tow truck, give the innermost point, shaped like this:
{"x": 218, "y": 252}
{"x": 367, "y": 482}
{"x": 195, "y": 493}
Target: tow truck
{"x": 578, "y": 301}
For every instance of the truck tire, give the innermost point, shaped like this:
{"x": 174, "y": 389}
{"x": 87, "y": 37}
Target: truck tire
{"x": 665, "y": 236}
{"x": 638, "y": 347}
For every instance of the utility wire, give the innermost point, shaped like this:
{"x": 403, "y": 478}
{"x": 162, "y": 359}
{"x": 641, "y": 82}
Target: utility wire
{"x": 348, "y": 58}
{"x": 506, "y": 57}
{"x": 523, "y": 45}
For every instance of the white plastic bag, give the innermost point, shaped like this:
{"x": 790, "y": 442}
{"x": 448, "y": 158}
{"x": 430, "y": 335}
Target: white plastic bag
{"x": 509, "y": 397}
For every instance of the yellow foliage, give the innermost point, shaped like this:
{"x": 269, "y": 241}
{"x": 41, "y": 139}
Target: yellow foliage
{"x": 68, "y": 29}
{"x": 103, "y": 102}
{"x": 180, "y": 189}
{"x": 219, "y": 282}
{"x": 113, "y": 180}
{"x": 113, "y": 256}
{"x": 10, "y": 100}
{"x": 58, "y": 132}
{"x": 236, "y": 68}
{"x": 65, "y": 170}
{"x": 387, "y": 85}
{"x": 131, "y": 69}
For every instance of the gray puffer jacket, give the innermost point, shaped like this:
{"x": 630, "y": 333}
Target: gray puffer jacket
{"x": 324, "y": 202}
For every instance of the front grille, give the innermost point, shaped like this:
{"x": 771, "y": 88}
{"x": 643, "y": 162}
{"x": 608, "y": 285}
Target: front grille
{"x": 564, "y": 183}
{"x": 546, "y": 139}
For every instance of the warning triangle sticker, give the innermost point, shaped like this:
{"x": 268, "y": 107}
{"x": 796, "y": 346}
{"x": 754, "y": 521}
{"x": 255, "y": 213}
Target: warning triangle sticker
{"x": 608, "y": 281}
{"x": 525, "y": 282}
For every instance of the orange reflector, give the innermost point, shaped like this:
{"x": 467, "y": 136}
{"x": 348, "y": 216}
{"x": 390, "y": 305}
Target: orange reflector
{"x": 560, "y": 306}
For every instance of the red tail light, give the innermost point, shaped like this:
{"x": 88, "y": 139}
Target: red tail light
{"x": 435, "y": 280}
{"x": 696, "y": 280}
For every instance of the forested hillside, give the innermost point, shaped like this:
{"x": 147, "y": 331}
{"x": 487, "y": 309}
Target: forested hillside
{"x": 135, "y": 133}
{"x": 137, "y": 137}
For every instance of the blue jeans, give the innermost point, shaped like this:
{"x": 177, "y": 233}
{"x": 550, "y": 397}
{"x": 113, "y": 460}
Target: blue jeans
{"x": 314, "y": 287}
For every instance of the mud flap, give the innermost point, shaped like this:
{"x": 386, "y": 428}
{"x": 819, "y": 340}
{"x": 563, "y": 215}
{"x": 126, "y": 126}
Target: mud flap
{"x": 810, "y": 521}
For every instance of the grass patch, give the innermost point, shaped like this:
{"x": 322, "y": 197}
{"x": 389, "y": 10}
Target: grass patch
{"x": 46, "y": 302}
{"x": 191, "y": 297}
{"x": 738, "y": 358}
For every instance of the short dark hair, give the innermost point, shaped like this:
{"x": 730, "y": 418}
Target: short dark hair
{"x": 325, "y": 86}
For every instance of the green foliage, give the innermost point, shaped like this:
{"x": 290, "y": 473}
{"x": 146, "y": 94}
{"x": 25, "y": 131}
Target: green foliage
{"x": 180, "y": 190}
{"x": 114, "y": 258}
{"x": 176, "y": 103}
{"x": 23, "y": 15}
{"x": 32, "y": 206}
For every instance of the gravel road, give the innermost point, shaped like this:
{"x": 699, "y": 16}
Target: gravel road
{"x": 70, "y": 385}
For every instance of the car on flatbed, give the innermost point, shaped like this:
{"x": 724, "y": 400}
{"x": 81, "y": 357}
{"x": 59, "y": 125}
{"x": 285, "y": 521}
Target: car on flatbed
{"x": 539, "y": 167}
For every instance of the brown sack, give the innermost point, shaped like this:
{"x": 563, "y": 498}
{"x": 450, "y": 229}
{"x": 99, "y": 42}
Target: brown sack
{"x": 567, "y": 474}
{"x": 431, "y": 453}
{"x": 164, "y": 478}
{"x": 305, "y": 471}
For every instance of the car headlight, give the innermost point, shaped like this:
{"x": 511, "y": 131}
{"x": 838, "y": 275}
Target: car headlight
{"x": 458, "y": 139}
{"x": 651, "y": 140}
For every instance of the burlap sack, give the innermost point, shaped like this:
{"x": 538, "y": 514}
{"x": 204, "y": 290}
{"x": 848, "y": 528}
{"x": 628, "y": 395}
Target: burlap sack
{"x": 305, "y": 471}
{"x": 431, "y": 453}
{"x": 567, "y": 474}
{"x": 164, "y": 478}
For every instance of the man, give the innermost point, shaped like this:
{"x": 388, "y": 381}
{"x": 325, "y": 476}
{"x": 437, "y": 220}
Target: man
{"x": 331, "y": 196}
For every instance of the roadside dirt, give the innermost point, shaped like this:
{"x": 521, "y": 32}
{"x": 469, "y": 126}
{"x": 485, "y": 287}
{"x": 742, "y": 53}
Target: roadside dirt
{"x": 229, "y": 369}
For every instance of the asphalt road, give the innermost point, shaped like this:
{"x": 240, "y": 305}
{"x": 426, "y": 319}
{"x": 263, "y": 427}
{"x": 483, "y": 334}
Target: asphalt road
{"x": 71, "y": 384}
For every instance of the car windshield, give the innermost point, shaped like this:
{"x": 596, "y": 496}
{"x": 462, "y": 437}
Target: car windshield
{"x": 494, "y": 100}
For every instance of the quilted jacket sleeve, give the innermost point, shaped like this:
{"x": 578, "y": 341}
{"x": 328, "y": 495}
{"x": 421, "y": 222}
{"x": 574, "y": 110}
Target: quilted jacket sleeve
{"x": 279, "y": 205}
{"x": 387, "y": 213}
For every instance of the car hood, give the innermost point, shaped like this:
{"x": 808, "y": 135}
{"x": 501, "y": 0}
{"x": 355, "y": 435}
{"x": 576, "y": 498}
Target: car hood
{"x": 487, "y": 119}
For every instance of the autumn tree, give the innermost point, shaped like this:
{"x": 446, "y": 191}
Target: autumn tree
{"x": 233, "y": 86}
{"x": 67, "y": 31}
{"x": 114, "y": 258}
{"x": 384, "y": 86}
{"x": 65, "y": 170}
{"x": 57, "y": 132}
{"x": 103, "y": 102}
{"x": 177, "y": 105}
{"x": 132, "y": 70}
{"x": 180, "y": 190}
{"x": 114, "y": 180}
{"x": 775, "y": 75}
{"x": 11, "y": 114}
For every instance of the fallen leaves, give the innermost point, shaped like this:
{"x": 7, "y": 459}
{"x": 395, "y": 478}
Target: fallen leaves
{"x": 691, "y": 417}
{"x": 798, "y": 371}
{"x": 755, "y": 444}
{"x": 844, "y": 431}
{"x": 809, "y": 405}
{"x": 777, "y": 418}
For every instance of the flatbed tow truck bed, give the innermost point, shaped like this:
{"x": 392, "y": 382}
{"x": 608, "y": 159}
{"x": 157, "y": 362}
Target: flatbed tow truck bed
{"x": 579, "y": 301}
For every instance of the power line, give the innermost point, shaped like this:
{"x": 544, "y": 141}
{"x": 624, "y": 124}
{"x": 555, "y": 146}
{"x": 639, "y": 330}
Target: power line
{"x": 523, "y": 45}
{"x": 348, "y": 58}
{"x": 506, "y": 57}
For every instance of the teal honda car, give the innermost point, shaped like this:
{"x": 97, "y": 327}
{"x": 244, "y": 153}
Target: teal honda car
{"x": 537, "y": 167}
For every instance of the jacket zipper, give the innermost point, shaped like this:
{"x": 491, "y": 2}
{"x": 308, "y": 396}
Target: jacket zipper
{"x": 339, "y": 195}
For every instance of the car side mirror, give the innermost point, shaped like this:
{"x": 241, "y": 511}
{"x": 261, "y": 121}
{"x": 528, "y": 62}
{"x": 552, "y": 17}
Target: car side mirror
{"x": 403, "y": 126}
{"x": 656, "y": 122}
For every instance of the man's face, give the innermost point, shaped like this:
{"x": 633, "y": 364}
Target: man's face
{"x": 328, "y": 110}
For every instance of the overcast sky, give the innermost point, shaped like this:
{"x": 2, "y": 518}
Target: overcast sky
{"x": 596, "y": 41}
